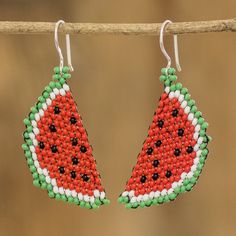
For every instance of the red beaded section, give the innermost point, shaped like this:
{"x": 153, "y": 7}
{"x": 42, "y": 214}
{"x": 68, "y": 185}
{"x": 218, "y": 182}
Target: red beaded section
{"x": 167, "y": 152}
{"x": 63, "y": 147}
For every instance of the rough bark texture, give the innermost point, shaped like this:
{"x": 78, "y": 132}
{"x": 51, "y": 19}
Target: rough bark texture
{"x": 11, "y": 27}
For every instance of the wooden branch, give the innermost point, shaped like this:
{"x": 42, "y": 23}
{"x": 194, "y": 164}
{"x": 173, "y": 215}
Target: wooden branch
{"x": 15, "y": 27}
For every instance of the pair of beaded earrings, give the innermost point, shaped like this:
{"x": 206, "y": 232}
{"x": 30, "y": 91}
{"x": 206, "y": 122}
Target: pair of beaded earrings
{"x": 60, "y": 157}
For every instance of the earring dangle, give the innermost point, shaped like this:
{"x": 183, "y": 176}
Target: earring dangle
{"x": 56, "y": 145}
{"x": 175, "y": 149}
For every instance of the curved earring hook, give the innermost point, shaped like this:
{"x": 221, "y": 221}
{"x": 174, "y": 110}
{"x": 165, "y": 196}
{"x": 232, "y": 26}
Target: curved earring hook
{"x": 68, "y": 49}
{"x": 165, "y": 23}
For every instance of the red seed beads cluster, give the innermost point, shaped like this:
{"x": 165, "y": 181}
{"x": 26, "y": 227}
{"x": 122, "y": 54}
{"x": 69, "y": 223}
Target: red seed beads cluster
{"x": 171, "y": 152}
{"x": 60, "y": 148}
{"x": 64, "y": 149}
{"x": 167, "y": 152}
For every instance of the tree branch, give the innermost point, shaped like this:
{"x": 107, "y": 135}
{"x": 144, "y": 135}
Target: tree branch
{"x": 15, "y": 27}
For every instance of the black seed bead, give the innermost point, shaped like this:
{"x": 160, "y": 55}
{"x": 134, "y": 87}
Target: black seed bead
{"x": 73, "y": 120}
{"x": 41, "y": 145}
{"x": 160, "y": 123}
{"x": 189, "y": 149}
{"x": 168, "y": 174}
{"x": 175, "y": 113}
{"x": 158, "y": 143}
{"x": 61, "y": 170}
{"x": 155, "y": 163}
{"x": 155, "y": 176}
{"x": 83, "y": 149}
{"x": 57, "y": 110}
{"x": 180, "y": 132}
{"x": 52, "y": 128}
{"x": 75, "y": 160}
{"x": 143, "y": 179}
{"x": 149, "y": 151}
{"x": 177, "y": 152}
{"x": 74, "y": 141}
{"x": 54, "y": 149}
{"x": 73, "y": 174}
{"x": 85, "y": 178}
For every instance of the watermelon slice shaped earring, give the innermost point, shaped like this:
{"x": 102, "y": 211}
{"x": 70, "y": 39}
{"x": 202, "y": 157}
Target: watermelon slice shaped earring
{"x": 175, "y": 150}
{"x": 56, "y": 144}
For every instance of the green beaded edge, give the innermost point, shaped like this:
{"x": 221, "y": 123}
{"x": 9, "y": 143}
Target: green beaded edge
{"x": 58, "y": 80}
{"x": 169, "y": 78}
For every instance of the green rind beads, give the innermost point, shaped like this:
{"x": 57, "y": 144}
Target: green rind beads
{"x": 56, "y": 70}
{"x": 179, "y": 86}
{"x": 163, "y": 78}
{"x": 52, "y": 85}
{"x": 172, "y": 87}
{"x": 170, "y": 71}
{"x": 168, "y": 76}
{"x": 61, "y": 74}
{"x": 25, "y": 147}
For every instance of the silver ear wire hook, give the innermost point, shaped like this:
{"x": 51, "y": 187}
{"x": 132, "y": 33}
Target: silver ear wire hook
{"x": 68, "y": 49}
{"x": 165, "y": 23}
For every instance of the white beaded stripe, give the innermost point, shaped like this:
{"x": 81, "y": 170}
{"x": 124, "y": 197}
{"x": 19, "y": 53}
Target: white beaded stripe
{"x": 56, "y": 91}
{"x": 52, "y": 95}
{"x": 62, "y": 92}
{"x": 32, "y": 136}
{"x": 66, "y": 87}
{"x": 190, "y": 116}
{"x": 194, "y": 122}
{"x": 167, "y": 89}
{"x": 48, "y": 101}
{"x": 196, "y": 135}
{"x": 181, "y": 98}
{"x": 184, "y": 175}
{"x": 74, "y": 193}
{"x": 41, "y": 112}
{"x": 156, "y": 194}
{"x": 177, "y": 93}
{"x": 40, "y": 171}
{"x": 34, "y": 123}
{"x": 183, "y": 104}
{"x": 36, "y": 131}
{"x": 131, "y": 193}
{"x": 45, "y": 172}
{"x": 44, "y": 106}
{"x": 37, "y": 117}
{"x": 171, "y": 95}
{"x": 48, "y": 179}
{"x": 35, "y": 142}
{"x": 187, "y": 109}
{"x": 36, "y": 164}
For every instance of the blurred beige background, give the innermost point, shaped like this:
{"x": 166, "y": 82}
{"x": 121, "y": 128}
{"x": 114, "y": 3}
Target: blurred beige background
{"x": 116, "y": 86}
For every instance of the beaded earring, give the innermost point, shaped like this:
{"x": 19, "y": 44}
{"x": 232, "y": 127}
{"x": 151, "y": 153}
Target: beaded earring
{"x": 56, "y": 145}
{"x": 175, "y": 149}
